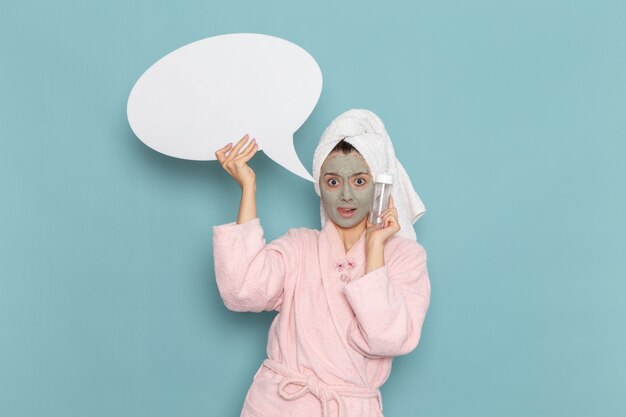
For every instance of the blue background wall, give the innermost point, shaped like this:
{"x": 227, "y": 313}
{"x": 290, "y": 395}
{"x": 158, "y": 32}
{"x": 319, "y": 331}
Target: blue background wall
{"x": 509, "y": 116}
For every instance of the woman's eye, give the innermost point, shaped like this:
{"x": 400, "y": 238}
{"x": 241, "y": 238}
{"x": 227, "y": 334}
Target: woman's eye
{"x": 333, "y": 182}
{"x": 360, "y": 181}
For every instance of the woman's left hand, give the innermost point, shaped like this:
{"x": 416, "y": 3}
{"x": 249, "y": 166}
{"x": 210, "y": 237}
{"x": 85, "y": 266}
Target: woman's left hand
{"x": 377, "y": 236}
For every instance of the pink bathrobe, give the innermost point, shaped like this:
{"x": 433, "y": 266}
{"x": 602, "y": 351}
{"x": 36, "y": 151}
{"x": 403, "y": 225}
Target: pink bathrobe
{"x": 331, "y": 345}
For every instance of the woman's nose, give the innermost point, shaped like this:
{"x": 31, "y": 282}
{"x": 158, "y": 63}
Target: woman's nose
{"x": 346, "y": 193}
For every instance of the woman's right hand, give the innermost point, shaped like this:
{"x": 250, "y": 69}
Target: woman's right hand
{"x": 236, "y": 163}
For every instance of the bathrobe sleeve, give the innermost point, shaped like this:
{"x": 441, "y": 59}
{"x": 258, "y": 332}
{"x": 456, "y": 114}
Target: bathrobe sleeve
{"x": 250, "y": 275}
{"x": 390, "y": 303}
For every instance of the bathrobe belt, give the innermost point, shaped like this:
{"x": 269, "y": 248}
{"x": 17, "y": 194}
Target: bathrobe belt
{"x": 323, "y": 392}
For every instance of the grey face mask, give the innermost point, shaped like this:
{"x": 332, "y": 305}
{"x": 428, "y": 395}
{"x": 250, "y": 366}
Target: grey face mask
{"x": 346, "y": 189}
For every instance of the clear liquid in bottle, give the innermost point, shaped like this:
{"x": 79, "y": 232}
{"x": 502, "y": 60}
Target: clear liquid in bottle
{"x": 382, "y": 191}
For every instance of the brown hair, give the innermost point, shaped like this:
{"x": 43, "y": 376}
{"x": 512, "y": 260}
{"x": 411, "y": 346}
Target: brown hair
{"x": 344, "y": 147}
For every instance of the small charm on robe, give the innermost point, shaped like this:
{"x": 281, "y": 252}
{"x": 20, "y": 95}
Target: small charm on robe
{"x": 351, "y": 263}
{"x": 345, "y": 278}
{"x": 339, "y": 265}
{"x": 343, "y": 266}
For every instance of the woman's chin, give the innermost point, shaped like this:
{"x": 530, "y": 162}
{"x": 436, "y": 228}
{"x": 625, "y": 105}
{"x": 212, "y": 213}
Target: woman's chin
{"x": 349, "y": 223}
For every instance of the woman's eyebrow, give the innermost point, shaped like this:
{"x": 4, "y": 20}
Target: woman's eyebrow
{"x": 352, "y": 175}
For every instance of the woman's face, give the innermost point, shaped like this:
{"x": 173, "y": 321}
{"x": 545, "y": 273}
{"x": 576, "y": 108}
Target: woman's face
{"x": 346, "y": 188}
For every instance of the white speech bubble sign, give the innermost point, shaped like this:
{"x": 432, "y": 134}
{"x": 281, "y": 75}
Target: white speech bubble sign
{"x": 208, "y": 93}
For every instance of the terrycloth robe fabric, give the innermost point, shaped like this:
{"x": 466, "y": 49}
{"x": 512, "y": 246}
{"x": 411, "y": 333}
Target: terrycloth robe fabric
{"x": 331, "y": 345}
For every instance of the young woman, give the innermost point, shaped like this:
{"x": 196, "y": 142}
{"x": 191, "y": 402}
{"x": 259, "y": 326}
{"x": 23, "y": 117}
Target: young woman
{"x": 349, "y": 297}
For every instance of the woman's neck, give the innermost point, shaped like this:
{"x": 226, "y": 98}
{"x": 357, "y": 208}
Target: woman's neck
{"x": 349, "y": 236}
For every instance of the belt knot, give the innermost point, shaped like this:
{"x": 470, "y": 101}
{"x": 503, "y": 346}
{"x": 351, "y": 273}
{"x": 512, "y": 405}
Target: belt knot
{"x": 323, "y": 392}
{"x": 310, "y": 384}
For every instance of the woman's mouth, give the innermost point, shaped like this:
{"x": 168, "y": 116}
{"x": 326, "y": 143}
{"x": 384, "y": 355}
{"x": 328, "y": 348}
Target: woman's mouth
{"x": 346, "y": 211}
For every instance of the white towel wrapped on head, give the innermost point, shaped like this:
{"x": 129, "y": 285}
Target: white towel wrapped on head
{"x": 365, "y": 131}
